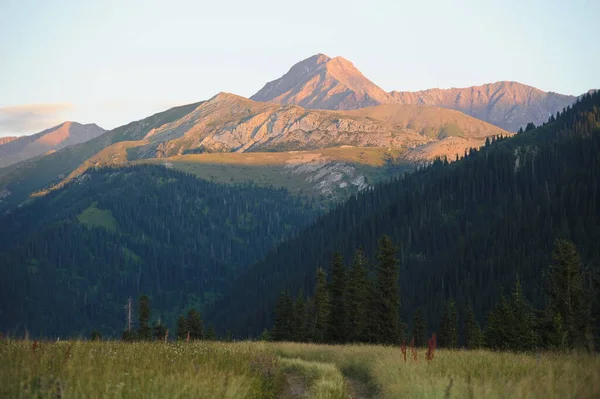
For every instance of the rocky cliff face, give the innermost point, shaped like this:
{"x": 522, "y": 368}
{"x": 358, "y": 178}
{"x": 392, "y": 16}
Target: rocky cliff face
{"x": 229, "y": 123}
{"x": 321, "y": 82}
{"x": 55, "y": 138}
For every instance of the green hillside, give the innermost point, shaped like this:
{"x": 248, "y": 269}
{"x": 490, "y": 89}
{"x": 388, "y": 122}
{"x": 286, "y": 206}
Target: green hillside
{"x": 464, "y": 230}
{"x": 70, "y": 259}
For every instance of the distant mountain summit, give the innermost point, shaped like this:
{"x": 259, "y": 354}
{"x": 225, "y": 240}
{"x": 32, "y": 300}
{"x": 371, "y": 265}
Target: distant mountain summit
{"x": 55, "y": 138}
{"x": 321, "y": 82}
{"x": 509, "y": 105}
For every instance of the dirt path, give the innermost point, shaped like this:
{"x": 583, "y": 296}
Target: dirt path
{"x": 296, "y": 388}
{"x": 358, "y": 390}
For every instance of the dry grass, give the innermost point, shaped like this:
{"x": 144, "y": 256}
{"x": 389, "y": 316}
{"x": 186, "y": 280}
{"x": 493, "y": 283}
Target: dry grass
{"x": 78, "y": 369}
{"x": 459, "y": 374}
{"x": 257, "y": 370}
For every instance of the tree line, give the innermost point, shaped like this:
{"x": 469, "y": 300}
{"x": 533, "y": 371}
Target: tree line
{"x": 361, "y": 303}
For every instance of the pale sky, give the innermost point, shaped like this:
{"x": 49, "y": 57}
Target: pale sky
{"x": 114, "y": 61}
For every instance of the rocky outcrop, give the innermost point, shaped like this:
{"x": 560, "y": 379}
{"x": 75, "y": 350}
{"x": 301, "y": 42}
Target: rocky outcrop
{"x": 229, "y": 123}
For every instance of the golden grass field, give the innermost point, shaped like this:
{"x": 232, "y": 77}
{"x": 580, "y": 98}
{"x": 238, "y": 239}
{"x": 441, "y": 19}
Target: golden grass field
{"x": 112, "y": 369}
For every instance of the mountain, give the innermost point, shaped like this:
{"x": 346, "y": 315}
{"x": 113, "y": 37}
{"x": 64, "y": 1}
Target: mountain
{"x": 509, "y": 105}
{"x": 70, "y": 260}
{"x": 8, "y": 139}
{"x": 321, "y": 82}
{"x": 463, "y": 230}
{"x": 53, "y": 139}
{"x": 19, "y": 181}
{"x": 228, "y": 123}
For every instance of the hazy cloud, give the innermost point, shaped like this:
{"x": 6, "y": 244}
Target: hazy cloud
{"x": 31, "y": 118}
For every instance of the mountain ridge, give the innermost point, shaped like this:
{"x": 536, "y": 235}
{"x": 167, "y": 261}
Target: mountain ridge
{"x": 55, "y": 138}
{"x": 231, "y": 123}
{"x": 317, "y": 83}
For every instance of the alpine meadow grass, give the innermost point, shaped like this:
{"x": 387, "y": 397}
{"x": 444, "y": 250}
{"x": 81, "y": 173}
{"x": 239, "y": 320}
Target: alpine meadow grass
{"x": 202, "y": 369}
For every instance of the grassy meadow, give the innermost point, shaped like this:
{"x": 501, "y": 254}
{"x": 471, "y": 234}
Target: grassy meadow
{"x": 111, "y": 369}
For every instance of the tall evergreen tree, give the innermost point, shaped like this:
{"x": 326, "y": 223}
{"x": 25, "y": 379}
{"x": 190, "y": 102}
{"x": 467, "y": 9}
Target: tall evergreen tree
{"x": 298, "y": 327}
{"x": 387, "y": 299}
{"x": 473, "y": 334}
{"x": 282, "y": 330}
{"x": 448, "y": 331}
{"x": 144, "y": 331}
{"x": 357, "y": 298}
{"x": 337, "y": 326}
{"x": 182, "y": 328}
{"x": 321, "y": 307}
{"x": 566, "y": 293}
{"x": 497, "y": 334}
{"x": 522, "y": 333}
{"x": 419, "y": 331}
{"x": 194, "y": 324}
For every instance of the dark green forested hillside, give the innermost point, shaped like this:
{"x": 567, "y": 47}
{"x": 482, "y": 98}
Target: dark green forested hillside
{"x": 465, "y": 230}
{"x": 70, "y": 260}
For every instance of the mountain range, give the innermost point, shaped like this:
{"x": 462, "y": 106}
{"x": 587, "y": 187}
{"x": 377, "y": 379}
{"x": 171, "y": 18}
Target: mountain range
{"x": 320, "y": 103}
{"x": 322, "y": 82}
{"x": 229, "y": 124}
{"x": 68, "y": 133}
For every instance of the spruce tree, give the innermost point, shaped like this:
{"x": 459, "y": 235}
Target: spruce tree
{"x": 566, "y": 293}
{"x": 357, "y": 299}
{"x": 448, "y": 331}
{"x": 298, "y": 326}
{"x": 283, "y": 318}
{"x": 265, "y": 336}
{"x": 144, "y": 331}
{"x": 473, "y": 334}
{"x": 521, "y": 328}
{"x": 194, "y": 324}
{"x": 419, "y": 331}
{"x": 321, "y": 307}
{"x": 387, "y": 296}
{"x": 497, "y": 332}
{"x": 182, "y": 328}
{"x": 337, "y": 319}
